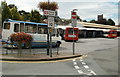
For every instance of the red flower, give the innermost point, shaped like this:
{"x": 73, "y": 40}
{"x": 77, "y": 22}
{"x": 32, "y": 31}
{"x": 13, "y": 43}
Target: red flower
{"x": 21, "y": 37}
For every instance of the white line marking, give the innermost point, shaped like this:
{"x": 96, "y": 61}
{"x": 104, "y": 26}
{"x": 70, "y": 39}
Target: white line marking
{"x": 74, "y": 63}
{"x": 83, "y": 63}
{"x": 89, "y": 74}
{"x": 86, "y": 66}
{"x": 74, "y": 60}
{"x": 91, "y": 71}
{"x": 80, "y": 71}
{"x": 77, "y": 67}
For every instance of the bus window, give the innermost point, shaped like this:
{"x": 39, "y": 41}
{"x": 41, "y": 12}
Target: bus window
{"x": 70, "y": 31}
{"x": 7, "y": 26}
{"x": 113, "y": 32}
{"x": 21, "y": 27}
{"x": 16, "y": 27}
{"x": 30, "y": 28}
{"x": 40, "y": 30}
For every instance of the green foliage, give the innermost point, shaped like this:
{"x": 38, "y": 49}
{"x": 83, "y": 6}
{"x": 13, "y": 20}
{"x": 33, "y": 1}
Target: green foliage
{"x": 78, "y": 18}
{"x": 6, "y": 14}
{"x": 11, "y": 12}
{"x": 93, "y": 21}
{"x": 15, "y": 13}
{"x": 35, "y": 16}
{"x": 110, "y": 22}
{"x": 84, "y": 21}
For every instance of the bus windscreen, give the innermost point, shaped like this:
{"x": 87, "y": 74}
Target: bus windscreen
{"x": 70, "y": 31}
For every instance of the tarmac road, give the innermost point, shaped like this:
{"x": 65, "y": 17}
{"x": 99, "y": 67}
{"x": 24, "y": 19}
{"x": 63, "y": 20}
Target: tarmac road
{"x": 102, "y": 59}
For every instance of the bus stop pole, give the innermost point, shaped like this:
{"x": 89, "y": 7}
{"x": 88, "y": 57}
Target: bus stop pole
{"x": 48, "y": 42}
{"x": 73, "y": 43}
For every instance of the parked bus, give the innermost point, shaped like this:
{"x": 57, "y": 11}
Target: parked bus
{"x": 82, "y": 32}
{"x": 110, "y": 33}
{"x": 71, "y": 34}
{"x": 37, "y": 30}
{"x": 118, "y": 33}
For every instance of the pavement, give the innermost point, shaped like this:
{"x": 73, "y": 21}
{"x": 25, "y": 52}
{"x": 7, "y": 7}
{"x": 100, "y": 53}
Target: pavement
{"x": 12, "y": 55}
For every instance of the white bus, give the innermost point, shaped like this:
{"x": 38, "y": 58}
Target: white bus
{"x": 37, "y": 30}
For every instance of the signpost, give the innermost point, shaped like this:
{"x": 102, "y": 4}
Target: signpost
{"x": 50, "y": 15}
{"x": 74, "y": 24}
{"x": 51, "y": 22}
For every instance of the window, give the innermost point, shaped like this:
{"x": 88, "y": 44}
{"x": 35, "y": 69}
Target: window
{"x": 42, "y": 30}
{"x": 70, "y": 31}
{"x": 7, "y": 26}
{"x": 114, "y": 32}
{"x": 30, "y": 28}
{"x": 16, "y": 27}
{"x": 22, "y": 27}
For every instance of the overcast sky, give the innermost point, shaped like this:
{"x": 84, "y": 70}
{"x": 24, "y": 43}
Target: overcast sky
{"x": 87, "y": 9}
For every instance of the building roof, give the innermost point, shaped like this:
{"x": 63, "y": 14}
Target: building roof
{"x": 86, "y": 24}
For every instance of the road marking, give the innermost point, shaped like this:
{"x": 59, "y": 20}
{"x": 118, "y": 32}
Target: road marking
{"x": 74, "y": 63}
{"x": 83, "y": 56}
{"x": 89, "y": 74}
{"x": 80, "y": 71}
{"x": 83, "y": 63}
{"x": 91, "y": 71}
{"x": 77, "y": 67}
{"x": 41, "y": 61}
{"x": 86, "y": 66}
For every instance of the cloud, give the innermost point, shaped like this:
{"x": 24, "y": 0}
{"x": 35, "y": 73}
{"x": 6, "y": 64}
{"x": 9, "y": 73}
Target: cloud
{"x": 86, "y": 9}
{"x": 89, "y": 10}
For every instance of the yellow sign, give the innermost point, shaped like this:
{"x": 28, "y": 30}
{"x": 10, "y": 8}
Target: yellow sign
{"x": 51, "y": 30}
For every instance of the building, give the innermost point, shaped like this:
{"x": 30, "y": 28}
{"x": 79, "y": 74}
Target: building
{"x": 101, "y": 20}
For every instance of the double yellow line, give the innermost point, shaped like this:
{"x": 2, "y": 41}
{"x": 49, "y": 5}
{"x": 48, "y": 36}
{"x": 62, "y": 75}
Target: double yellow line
{"x": 44, "y": 61}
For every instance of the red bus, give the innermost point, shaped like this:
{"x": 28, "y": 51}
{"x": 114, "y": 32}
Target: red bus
{"x": 111, "y": 34}
{"x": 69, "y": 35}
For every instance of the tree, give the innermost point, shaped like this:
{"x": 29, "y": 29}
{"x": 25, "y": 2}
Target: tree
{"x": 84, "y": 21}
{"x": 48, "y": 6}
{"x": 6, "y": 14}
{"x": 15, "y": 13}
{"x": 93, "y": 21}
{"x": 35, "y": 16}
{"x": 24, "y": 16}
{"x": 78, "y": 18}
{"x": 110, "y": 22}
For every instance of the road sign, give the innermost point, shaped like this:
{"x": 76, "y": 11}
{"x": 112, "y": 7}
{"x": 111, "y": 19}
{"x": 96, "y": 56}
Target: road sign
{"x": 49, "y": 13}
{"x": 46, "y": 12}
{"x": 50, "y": 21}
{"x": 74, "y": 23}
{"x": 73, "y": 15}
{"x": 74, "y": 19}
